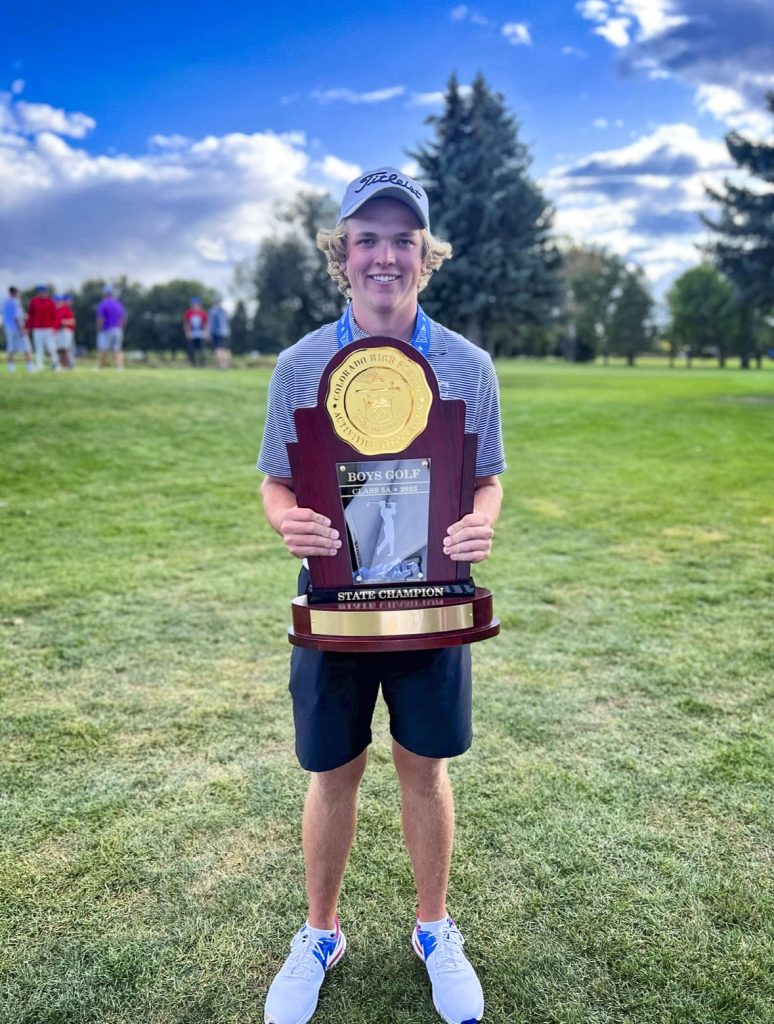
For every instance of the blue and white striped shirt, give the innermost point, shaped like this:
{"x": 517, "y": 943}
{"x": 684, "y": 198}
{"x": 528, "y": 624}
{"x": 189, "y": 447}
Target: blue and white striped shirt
{"x": 463, "y": 371}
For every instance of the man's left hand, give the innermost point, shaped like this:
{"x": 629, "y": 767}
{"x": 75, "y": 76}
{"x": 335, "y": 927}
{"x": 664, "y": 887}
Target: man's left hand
{"x": 470, "y": 539}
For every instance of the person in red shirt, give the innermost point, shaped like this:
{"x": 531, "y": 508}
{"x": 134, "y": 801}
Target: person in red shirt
{"x": 65, "y": 323}
{"x": 42, "y": 323}
{"x": 195, "y": 329}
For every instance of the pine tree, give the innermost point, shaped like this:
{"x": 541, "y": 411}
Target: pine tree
{"x": 502, "y": 286}
{"x": 744, "y": 250}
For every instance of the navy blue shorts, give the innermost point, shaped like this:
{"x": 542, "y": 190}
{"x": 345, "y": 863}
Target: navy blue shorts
{"x": 428, "y": 694}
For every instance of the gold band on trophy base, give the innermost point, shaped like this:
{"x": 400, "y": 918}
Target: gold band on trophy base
{"x": 396, "y": 625}
{"x": 392, "y": 621}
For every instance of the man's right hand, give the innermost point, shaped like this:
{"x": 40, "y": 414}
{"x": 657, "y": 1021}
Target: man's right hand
{"x": 306, "y": 533}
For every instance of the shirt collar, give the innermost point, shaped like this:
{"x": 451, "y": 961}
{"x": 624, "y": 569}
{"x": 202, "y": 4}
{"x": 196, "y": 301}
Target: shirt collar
{"x": 438, "y": 345}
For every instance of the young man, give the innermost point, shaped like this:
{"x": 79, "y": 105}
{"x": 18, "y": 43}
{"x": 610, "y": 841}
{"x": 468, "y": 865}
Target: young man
{"x": 41, "y": 323}
{"x": 381, "y": 254}
{"x": 220, "y": 332}
{"x": 195, "y": 328}
{"x": 111, "y": 320}
{"x": 65, "y": 335}
{"x": 15, "y": 335}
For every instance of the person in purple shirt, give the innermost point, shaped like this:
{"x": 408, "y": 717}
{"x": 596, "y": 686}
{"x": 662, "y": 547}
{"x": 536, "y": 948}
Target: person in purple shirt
{"x": 111, "y": 320}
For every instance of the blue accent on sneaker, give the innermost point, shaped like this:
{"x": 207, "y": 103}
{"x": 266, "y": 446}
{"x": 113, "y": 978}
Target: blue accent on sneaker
{"x": 427, "y": 941}
{"x": 457, "y": 994}
{"x": 323, "y": 949}
{"x": 292, "y": 997}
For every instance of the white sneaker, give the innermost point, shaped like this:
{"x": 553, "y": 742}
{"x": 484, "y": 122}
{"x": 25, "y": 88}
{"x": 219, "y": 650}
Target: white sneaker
{"x": 457, "y": 994}
{"x": 292, "y": 997}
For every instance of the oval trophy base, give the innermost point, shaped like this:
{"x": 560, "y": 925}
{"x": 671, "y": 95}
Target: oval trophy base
{"x": 393, "y": 625}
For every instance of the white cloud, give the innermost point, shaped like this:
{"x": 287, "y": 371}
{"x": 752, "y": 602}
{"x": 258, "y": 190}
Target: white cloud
{"x": 600, "y": 122}
{"x": 652, "y": 16}
{"x": 434, "y": 99}
{"x": 169, "y": 141}
{"x": 426, "y": 99}
{"x": 40, "y": 117}
{"x": 642, "y": 200}
{"x": 616, "y": 31}
{"x": 181, "y": 208}
{"x": 725, "y": 51}
{"x": 339, "y": 170}
{"x": 574, "y": 51}
{"x": 464, "y": 13}
{"x": 17, "y": 86}
{"x": 517, "y": 33}
{"x": 351, "y": 96}
{"x": 594, "y": 10}
{"x": 730, "y": 106}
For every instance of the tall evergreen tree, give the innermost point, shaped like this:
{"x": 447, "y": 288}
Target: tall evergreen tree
{"x": 744, "y": 250}
{"x": 503, "y": 285}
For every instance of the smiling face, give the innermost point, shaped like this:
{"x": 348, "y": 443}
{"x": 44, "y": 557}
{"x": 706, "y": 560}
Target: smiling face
{"x": 384, "y": 259}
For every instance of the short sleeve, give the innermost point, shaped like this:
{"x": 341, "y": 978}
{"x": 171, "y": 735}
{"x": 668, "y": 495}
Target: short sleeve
{"x": 280, "y": 428}
{"x": 490, "y": 457}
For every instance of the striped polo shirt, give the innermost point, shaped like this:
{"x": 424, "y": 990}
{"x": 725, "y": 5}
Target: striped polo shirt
{"x": 463, "y": 371}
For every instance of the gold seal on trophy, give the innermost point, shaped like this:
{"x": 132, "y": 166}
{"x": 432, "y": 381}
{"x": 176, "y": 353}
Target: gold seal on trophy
{"x": 378, "y": 400}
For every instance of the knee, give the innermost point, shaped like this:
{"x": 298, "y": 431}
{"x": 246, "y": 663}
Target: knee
{"x": 342, "y": 781}
{"x": 422, "y": 776}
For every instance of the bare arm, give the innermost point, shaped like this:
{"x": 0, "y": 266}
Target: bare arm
{"x": 304, "y": 531}
{"x": 470, "y": 539}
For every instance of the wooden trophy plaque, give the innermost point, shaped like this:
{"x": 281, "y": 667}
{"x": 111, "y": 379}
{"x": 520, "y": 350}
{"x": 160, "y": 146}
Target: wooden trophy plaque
{"x": 388, "y": 461}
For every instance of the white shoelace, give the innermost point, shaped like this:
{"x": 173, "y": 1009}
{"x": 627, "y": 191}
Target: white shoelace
{"x": 301, "y": 962}
{"x": 448, "y": 952}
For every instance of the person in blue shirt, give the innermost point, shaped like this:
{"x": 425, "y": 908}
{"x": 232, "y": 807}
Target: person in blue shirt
{"x": 16, "y": 342}
{"x": 220, "y": 333}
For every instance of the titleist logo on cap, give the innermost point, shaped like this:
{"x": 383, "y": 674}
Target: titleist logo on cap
{"x": 388, "y": 183}
{"x": 389, "y": 179}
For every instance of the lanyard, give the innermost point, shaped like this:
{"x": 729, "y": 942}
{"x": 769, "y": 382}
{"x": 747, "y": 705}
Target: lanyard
{"x": 420, "y": 339}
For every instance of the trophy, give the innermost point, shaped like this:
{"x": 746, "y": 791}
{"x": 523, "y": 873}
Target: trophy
{"x": 388, "y": 461}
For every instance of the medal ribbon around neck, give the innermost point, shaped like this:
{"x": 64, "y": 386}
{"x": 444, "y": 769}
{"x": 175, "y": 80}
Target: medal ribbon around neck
{"x": 420, "y": 339}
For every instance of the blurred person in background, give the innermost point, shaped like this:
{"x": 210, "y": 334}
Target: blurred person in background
{"x": 111, "y": 320}
{"x": 16, "y": 341}
{"x": 220, "y": 332}
{"x": 41, "y": 323}
{"x": 195, "y": 329}
{"x": 65, "y": 334}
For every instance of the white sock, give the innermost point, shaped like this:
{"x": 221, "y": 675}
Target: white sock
{"x": 433, "y": 926}
{"x": 320, "y": 933}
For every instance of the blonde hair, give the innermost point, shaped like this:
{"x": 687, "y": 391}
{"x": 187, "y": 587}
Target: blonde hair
{"x": 333, "y": 242}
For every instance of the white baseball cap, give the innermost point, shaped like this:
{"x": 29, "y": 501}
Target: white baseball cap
{"x": 386, "y": 182}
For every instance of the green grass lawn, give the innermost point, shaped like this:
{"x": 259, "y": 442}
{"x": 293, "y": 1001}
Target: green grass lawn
{"x": 613, "y": 858}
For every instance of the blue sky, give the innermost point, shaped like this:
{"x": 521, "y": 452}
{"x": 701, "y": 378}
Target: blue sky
{"x": 154, "y": 140}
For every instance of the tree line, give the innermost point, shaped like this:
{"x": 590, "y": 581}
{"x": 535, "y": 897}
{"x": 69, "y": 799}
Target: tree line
{"x": 513, "y": 287}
